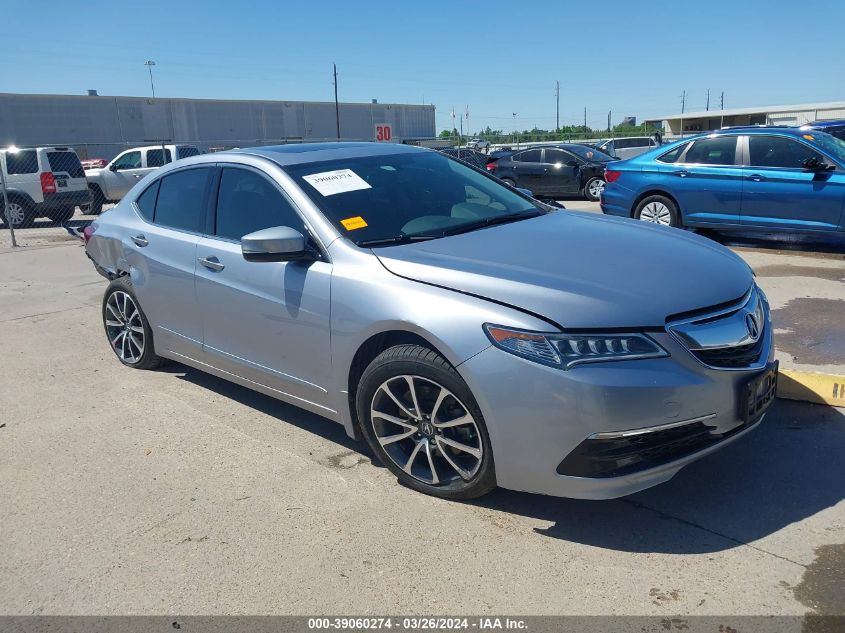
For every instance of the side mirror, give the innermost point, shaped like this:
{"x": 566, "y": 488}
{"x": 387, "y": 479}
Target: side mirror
{"x": 112, "y": 166}
{"x": 276, "y": 244}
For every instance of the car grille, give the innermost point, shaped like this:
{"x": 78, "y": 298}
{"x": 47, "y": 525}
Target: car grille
{"x": 732, "y": 337}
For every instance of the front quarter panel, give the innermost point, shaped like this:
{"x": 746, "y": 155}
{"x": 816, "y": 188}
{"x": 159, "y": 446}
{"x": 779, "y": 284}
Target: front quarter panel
{"x": 368, "y": 300}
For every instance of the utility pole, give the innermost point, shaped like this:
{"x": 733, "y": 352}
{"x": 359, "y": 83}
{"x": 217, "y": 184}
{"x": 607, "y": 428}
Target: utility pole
{"x": 336, "y": 105}
{"x": 683, "y": 108}
{"x": 585, "y": 121}
{"x": 149, "y": 64}
{"x": 708, "y": 101}
{"x": 557, "y": 111}
{"x": 722, "y": 108}
{"x": 608, "y": 121}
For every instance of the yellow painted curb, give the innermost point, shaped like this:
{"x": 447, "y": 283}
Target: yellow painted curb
{"x": 811, "y": 387}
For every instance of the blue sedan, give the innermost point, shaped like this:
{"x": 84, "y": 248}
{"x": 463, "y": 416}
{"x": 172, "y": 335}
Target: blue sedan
{"x": 767, "y": 178}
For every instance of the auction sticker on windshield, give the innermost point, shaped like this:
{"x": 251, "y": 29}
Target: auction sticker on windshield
{"x": 329, "y": 183}
{"x": 350, "y": 224}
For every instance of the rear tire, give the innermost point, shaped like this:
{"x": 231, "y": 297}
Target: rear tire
{"x": 127, "y": 328}
{"x": 509, "y": 181}
{"x": 427, "y": 429}
{"x": 658, "y": 209}
{"x": 593, "y": 189}
{"x": 97, "y": 200}
{"x": 21, "y": 213}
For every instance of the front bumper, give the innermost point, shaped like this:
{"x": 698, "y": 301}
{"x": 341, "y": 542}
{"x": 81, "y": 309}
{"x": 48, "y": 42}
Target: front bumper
{"x": 540, "y": 419}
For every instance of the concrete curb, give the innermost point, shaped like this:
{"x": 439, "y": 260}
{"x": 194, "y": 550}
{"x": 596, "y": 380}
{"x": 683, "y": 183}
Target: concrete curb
{"x": 811, "y": 387}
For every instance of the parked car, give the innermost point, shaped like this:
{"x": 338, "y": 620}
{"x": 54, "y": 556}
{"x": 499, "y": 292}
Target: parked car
{"x": 112, "y": 182}
{"x": 775, "y": 178}
{"x": 42, "y": 182}
{"x": 624, "y": 148}
{"x": 479, "y": 144}
{"x": 471, "y": 157}
{"x": 833, "y": 127}
{"x": 471, "y": 337}
{"x": 555, "y": 171}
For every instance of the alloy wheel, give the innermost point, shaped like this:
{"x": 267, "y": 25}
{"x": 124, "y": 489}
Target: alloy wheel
{"x": 15, "y": 213}
{"x": 426, "y": 430}
{"x": 596, "y": 187}
{"x": 656, "y": 212}
{"x": 125, "y": 327}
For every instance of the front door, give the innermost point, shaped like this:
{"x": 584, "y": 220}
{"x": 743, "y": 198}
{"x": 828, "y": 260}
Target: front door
{"x": 779, "y": 193}
{"x": 265, "y": 322}
{"x": 126, "y": 171}
{"x": 561, "y": 172}
{"x": 707, "y": 182}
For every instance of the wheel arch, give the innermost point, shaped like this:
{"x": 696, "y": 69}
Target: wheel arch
{"x": 21, "y": 196}
{"x": 367, "y": 351}
{"x": 656, "y": 192}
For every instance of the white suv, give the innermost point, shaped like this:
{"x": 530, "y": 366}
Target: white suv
{"x": 42, "y": 182}
{"x": 112, "y": 182}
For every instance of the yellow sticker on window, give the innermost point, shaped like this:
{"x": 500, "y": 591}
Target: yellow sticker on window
{"x": 809, "y": 137}
{"x": 351, "y": 224}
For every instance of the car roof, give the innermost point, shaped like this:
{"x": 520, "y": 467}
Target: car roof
{"x": 303, "y": 153}
{"x": 821, "y": 125}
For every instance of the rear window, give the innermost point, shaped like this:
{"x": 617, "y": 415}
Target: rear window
{"x": 673, "y": 154}
{"x": 66, "y": 162}
{"x": 146, "y": 202}
{"x": 717, "y": 150}
{"x": 186, "y": 152}
{"x": 180, "y": 199}
{"x": 24, "y": 162}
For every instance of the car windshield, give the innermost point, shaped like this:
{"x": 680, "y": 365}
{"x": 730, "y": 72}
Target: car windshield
{"x": 589, "y": 153}
{"x": 835, "y": 147}
{"x": 381, "y": 200}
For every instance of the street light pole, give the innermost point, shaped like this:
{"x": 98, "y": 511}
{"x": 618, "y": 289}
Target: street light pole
{"x": 149, "y": 64}
{"x": 10, "y": 150}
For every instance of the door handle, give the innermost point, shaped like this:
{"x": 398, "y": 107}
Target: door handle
{"x": 756, "y": 177}
{"x": 212, "y": 263}
{"x": 140, "y": 240}
{"x": 682, "y": 173}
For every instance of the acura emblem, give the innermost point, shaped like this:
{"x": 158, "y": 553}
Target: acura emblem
{"x": 752, "y": 326}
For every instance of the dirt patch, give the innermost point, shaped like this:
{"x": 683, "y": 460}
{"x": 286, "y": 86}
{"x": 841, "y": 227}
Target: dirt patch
{"x": 816, "y": 330}
{"x": 779, "y": 270}
{"x": 822, "y": 589}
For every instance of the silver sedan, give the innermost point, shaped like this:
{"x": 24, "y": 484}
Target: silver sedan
{"x": 473, "y": 336}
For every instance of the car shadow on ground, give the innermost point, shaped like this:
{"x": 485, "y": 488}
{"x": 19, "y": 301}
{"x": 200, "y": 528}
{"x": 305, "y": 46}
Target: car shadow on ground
{"x": 787, "y": 469}
{"x": 824, "y": 243}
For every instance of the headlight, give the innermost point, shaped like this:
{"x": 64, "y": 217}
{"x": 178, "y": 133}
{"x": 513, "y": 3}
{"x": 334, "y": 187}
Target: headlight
{"x": 568, "y": 350}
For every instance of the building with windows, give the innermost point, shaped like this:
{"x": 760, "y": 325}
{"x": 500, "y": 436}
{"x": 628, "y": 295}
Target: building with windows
{"x": 707, "y": 121}
{"x": 100, "y": 126}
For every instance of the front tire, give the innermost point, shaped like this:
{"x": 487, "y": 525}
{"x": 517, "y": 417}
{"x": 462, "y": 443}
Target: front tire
{"x": 658, "y": 209}
{"x": 593, "y": 189}
{"x": 127, "y": 329}
{"x": 421, "y": 420}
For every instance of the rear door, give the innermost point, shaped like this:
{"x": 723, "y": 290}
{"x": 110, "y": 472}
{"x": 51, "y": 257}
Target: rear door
{"x": 561, "y": 172}
{"x": 706, "y": 180}
{"x": 127, "y": 169}
{"x": 67, "y": 170}
{"x": 529, "y": 170}
{"x": 161, "y": 251}
{"x": 779, "y": 193}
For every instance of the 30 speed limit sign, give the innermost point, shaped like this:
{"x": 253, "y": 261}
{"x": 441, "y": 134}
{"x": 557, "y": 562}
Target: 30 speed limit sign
{"x": 383, "y": 133}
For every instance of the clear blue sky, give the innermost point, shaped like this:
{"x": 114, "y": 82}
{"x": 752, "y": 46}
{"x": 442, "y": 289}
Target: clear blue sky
{"x": 634, "y": 57}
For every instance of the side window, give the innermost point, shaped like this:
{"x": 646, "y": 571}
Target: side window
{"x": 129, "y": 160}
{"x": 248, "y": 202}
{"x": 555, "y": 156}
{"x": 185, "y": 152}
{"x": 146, "y": 202}
{"x": 777, "y": 151}
{"x": 719, "y": 150}
{"x": 22, "y": 162}
{"x": 640, "y": 142}
{"x": 180, "y": 199}
{"x": 673, "y": 154}
{"x": 623, "y": 143}
{"x": 154, "y": 158}
{"x": 528, "y": 156}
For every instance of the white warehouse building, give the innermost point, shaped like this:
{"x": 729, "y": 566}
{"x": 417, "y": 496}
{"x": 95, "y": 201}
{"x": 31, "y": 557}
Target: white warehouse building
{"x": 102, "y": 126}
{"x": 707, "y": 121}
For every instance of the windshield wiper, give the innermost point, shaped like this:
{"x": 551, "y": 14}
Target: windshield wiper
{"x": 492, "y": 221}
{"x": 397, "y": 239}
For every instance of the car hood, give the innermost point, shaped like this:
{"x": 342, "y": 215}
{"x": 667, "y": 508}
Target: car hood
{"x": 580, "y": 270}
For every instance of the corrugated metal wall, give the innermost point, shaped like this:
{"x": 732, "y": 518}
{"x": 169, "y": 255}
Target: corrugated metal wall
{"x": 103, "y": 126}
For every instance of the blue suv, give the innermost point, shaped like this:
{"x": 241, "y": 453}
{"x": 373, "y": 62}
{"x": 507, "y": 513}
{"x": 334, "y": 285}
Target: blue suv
{"x": 771, "y": 178}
